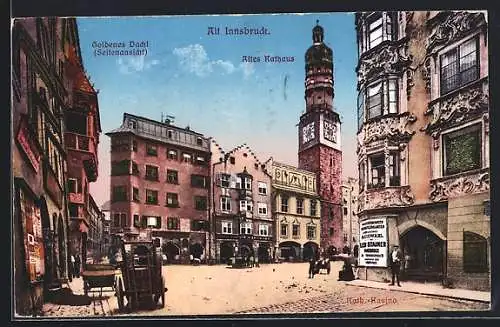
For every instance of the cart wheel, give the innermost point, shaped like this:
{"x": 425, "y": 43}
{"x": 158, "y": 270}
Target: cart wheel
{"x": 119, "y": 295}
{"x": 163, "y": 290}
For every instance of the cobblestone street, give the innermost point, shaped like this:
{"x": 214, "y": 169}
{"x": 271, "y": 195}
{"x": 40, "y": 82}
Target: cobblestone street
{"x": 280, "y": 288}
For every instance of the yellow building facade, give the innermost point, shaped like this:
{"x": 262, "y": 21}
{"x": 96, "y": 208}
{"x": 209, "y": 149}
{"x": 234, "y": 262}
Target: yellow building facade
{"x": 296, "y": 212}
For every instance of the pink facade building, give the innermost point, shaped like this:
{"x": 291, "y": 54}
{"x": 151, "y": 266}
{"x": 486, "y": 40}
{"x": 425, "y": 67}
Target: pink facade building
{"x": 160, "y": 186}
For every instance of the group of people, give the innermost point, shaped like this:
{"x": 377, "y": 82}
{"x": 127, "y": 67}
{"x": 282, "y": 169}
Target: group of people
{"x": 76, "y": 264}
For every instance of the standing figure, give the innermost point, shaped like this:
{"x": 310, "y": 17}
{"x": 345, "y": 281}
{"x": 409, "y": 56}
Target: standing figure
{"x": 312, "y": 264}
{"x": 396, "y": 258}
{"x": 77, "y": 266}
{"x": 72, "y": 266}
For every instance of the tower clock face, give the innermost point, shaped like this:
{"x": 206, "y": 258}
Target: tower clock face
{"x": 330, "y": 131}
{"x": 308, "y": 133}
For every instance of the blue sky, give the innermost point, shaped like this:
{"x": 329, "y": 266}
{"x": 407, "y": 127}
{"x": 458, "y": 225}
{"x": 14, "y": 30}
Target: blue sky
{"x": 201, "y": 80}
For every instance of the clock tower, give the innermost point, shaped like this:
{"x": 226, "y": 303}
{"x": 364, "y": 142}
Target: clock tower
{"x": 319, "y": 139}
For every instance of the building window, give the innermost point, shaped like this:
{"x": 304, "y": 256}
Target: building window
{"x": 248, "y": 183}
{"x": 331, "y": 231}
{"x": 345, "y": 211}
{"x": 262, "y": 207}
{"x": 170, "y": 134}
{"x": 200, "y": 225}
{"x": 172, "y": 154}
{"x": 199, "y": 181}
{"x": 72, "y": 185}
{"x": 119, "y": 168}
{"x": 263, "y": 230}
{"x": 173, "y": 223}
{"x": 151, "y": 150}
{"x": 200, "y": 160}
{"x": 151, "y": 173}
{"x": 284, "y": 203}
{"x": 394, "y": 175}
{"x": 225, "y": 204}
{"x": 361, "y": 174}
{"x": 199, "y": 141}
{"x": 232, "y": 160}
{"x": 135, "y": 194}
{"x": 138, "y": 223}
{"x": 246, "y": 205}
{"x": 296, "y": 230}
{"x": 186, "y": 157}
{"x": 300, "y": 206}
{"x": 311, "y": 232}
{"x": 377, "y": 171}
{"x": 375, "y": 32}
{"x": 224, "y": 180}
{"x": 379, "y": 27}
{"x": 361, "y": 108}
{"x": 462, "y": 150}
{"x": 135, "y": 169}
{"x": 313, "y": 208}
{"x": 345, "y": 237}
{"x": 459, "y": 66}
{"x": 134, "y": 145}
{"x": 200, "y": 202}
{"x": 284, "y": 230}
{"x": 119, "y": 193}
{"x": 376, "y": 94}
{"x": 172, "y": 176}
{"x": 227, "y": 227}
{"x": 151, "y": 221}
{"x": 374, "y": 100}
{"x": 475, "y": 253}
{"x": 330, "y": 212}
{"x": 262, "y": 188}
{"x": 119, "y": 219}
{"x": 246, "y": 228}
{"x": 151, "y": 197}
{"x": 172, "y": 200}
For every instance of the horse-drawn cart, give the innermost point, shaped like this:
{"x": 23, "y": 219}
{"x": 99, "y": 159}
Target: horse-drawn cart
{"x": 98, "y": 276}
{"x": 141, "y": 283}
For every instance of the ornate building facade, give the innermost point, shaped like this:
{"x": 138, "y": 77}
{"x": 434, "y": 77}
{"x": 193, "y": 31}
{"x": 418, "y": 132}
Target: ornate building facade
{"x": 319, "y": 139}
{"x": 42, "y": 92}
{"x": 296, "y": 212}
{"x": 423, "y": 144}
{"x": 160, "y": 178}
{"x": 241, "y": 205}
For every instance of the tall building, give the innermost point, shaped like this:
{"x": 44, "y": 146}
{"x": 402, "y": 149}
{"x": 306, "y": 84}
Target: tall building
{"x": 350, "y": 191}
{"x": 81, "y": 137}
{"x": 160, "y": 178}
{"x": 106, "y": 229}
{"x": 95, "y": 233}
{"x": 423, "y": 145}
{"x": 319, "y": 139}
{"x": 241, "y": 205}
{"x": 296, "y": 212}
{"x": 41, "y": 94}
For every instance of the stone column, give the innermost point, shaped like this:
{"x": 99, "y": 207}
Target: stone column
{"x": 301, "y": 252}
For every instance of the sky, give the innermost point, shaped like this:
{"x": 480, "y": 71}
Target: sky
{"x": 200, "y": 79}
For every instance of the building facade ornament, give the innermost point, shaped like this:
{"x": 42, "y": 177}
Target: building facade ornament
{"x": 389, "y": 197}
{"x": 391, "y": 59}
{"x": 449, "y": 187}
{"x": 457, "y": 107}
{"x": 455, "y": 26}
{"x": 394, "y": 127}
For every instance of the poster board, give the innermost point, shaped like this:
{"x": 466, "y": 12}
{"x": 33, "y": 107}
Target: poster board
{"x": 373, "y": 247}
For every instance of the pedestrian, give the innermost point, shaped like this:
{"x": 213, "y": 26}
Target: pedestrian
{"x": 72, "y": 265}
{"x": 77, "y": 266}
{"x": 312, "y": 264}
{"x": 396, "y": 258}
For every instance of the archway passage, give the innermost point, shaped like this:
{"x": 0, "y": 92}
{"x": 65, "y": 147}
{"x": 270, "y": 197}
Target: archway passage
{"x": 172, "y": 251}
{"x": 424, "y": 254}
{"x": 310, "y": 250}
{"x": 289, "y": 251}
{"x": 264, "y": 253}
{"x": 226, "y": 251}
{"x": 196, "y": 250}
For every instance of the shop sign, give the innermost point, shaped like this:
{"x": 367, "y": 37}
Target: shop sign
{"x": 373, "y": 246}
{"x": 33, "y": 237}
{"x": 27, "y": 145}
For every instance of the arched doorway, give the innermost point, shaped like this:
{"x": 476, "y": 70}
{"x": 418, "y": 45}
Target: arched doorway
{"x": 226, "y": 252}
{"x": 264, "y": 252}
{"x": 424, "y": 254}
{"x": 196, "y": 250}
{"x": 310, "y": 250}
{"x": 172, "y": 251}
{"x": 60, "y": 244}
{"x": 289, "y": 251}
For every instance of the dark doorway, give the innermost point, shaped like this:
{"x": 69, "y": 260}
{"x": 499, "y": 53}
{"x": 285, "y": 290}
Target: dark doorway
{"x": 310, "y": 250}
{"x": 172, "y": 251}
{"x": 263, "y": 252}
{"x": 226, "y": 252}
{"x": 423, "y": 252}
{"x": 196, "y": 250}
{"x": 290, "y": 251}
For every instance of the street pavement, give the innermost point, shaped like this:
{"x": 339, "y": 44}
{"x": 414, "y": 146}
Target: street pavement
{"x": 273, "y": 288}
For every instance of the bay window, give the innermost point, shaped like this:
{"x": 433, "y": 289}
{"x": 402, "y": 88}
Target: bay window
{"x": 377, "y": 27}
{"x": 377, "y": 171}
{"x": 378, "y": 99}
{"x": 394, "y": 175}
{"x": 459, "y": 66}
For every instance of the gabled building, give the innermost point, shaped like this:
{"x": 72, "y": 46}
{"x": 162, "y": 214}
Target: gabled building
{"x": 241, "y": 205}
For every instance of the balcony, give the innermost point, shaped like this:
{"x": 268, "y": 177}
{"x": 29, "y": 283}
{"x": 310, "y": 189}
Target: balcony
{"x": 388, "y": 197}
{"x": 86, "y": 145}
{"x": 476, "y": 181}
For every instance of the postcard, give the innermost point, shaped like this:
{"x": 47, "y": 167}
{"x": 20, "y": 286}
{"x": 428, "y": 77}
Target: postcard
{"x": 225, "y": 165}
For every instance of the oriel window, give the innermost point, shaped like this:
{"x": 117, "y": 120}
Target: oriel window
{"x": 394, "y": 174}
{"x": 460, "y": 66}
{"x": 377, "y": 171}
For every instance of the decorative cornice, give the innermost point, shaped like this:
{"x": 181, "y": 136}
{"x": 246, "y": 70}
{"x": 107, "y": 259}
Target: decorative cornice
{"x": 390, "y": 59}
{"x": 393, "y": 127}
{"x": 455, "y": 26}
{"x": 389, "y": 197}
{"x": 445, "y": 188}
{"x": 457, "y": 107}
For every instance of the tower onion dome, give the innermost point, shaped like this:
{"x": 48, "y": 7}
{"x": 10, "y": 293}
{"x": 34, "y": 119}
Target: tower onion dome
{"x": 319, "y": 54}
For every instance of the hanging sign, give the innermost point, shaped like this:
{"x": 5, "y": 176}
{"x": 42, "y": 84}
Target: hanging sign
{"x": 373, "y": 246}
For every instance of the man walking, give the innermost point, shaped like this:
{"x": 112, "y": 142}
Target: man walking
{"x": 396, "y": 258}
